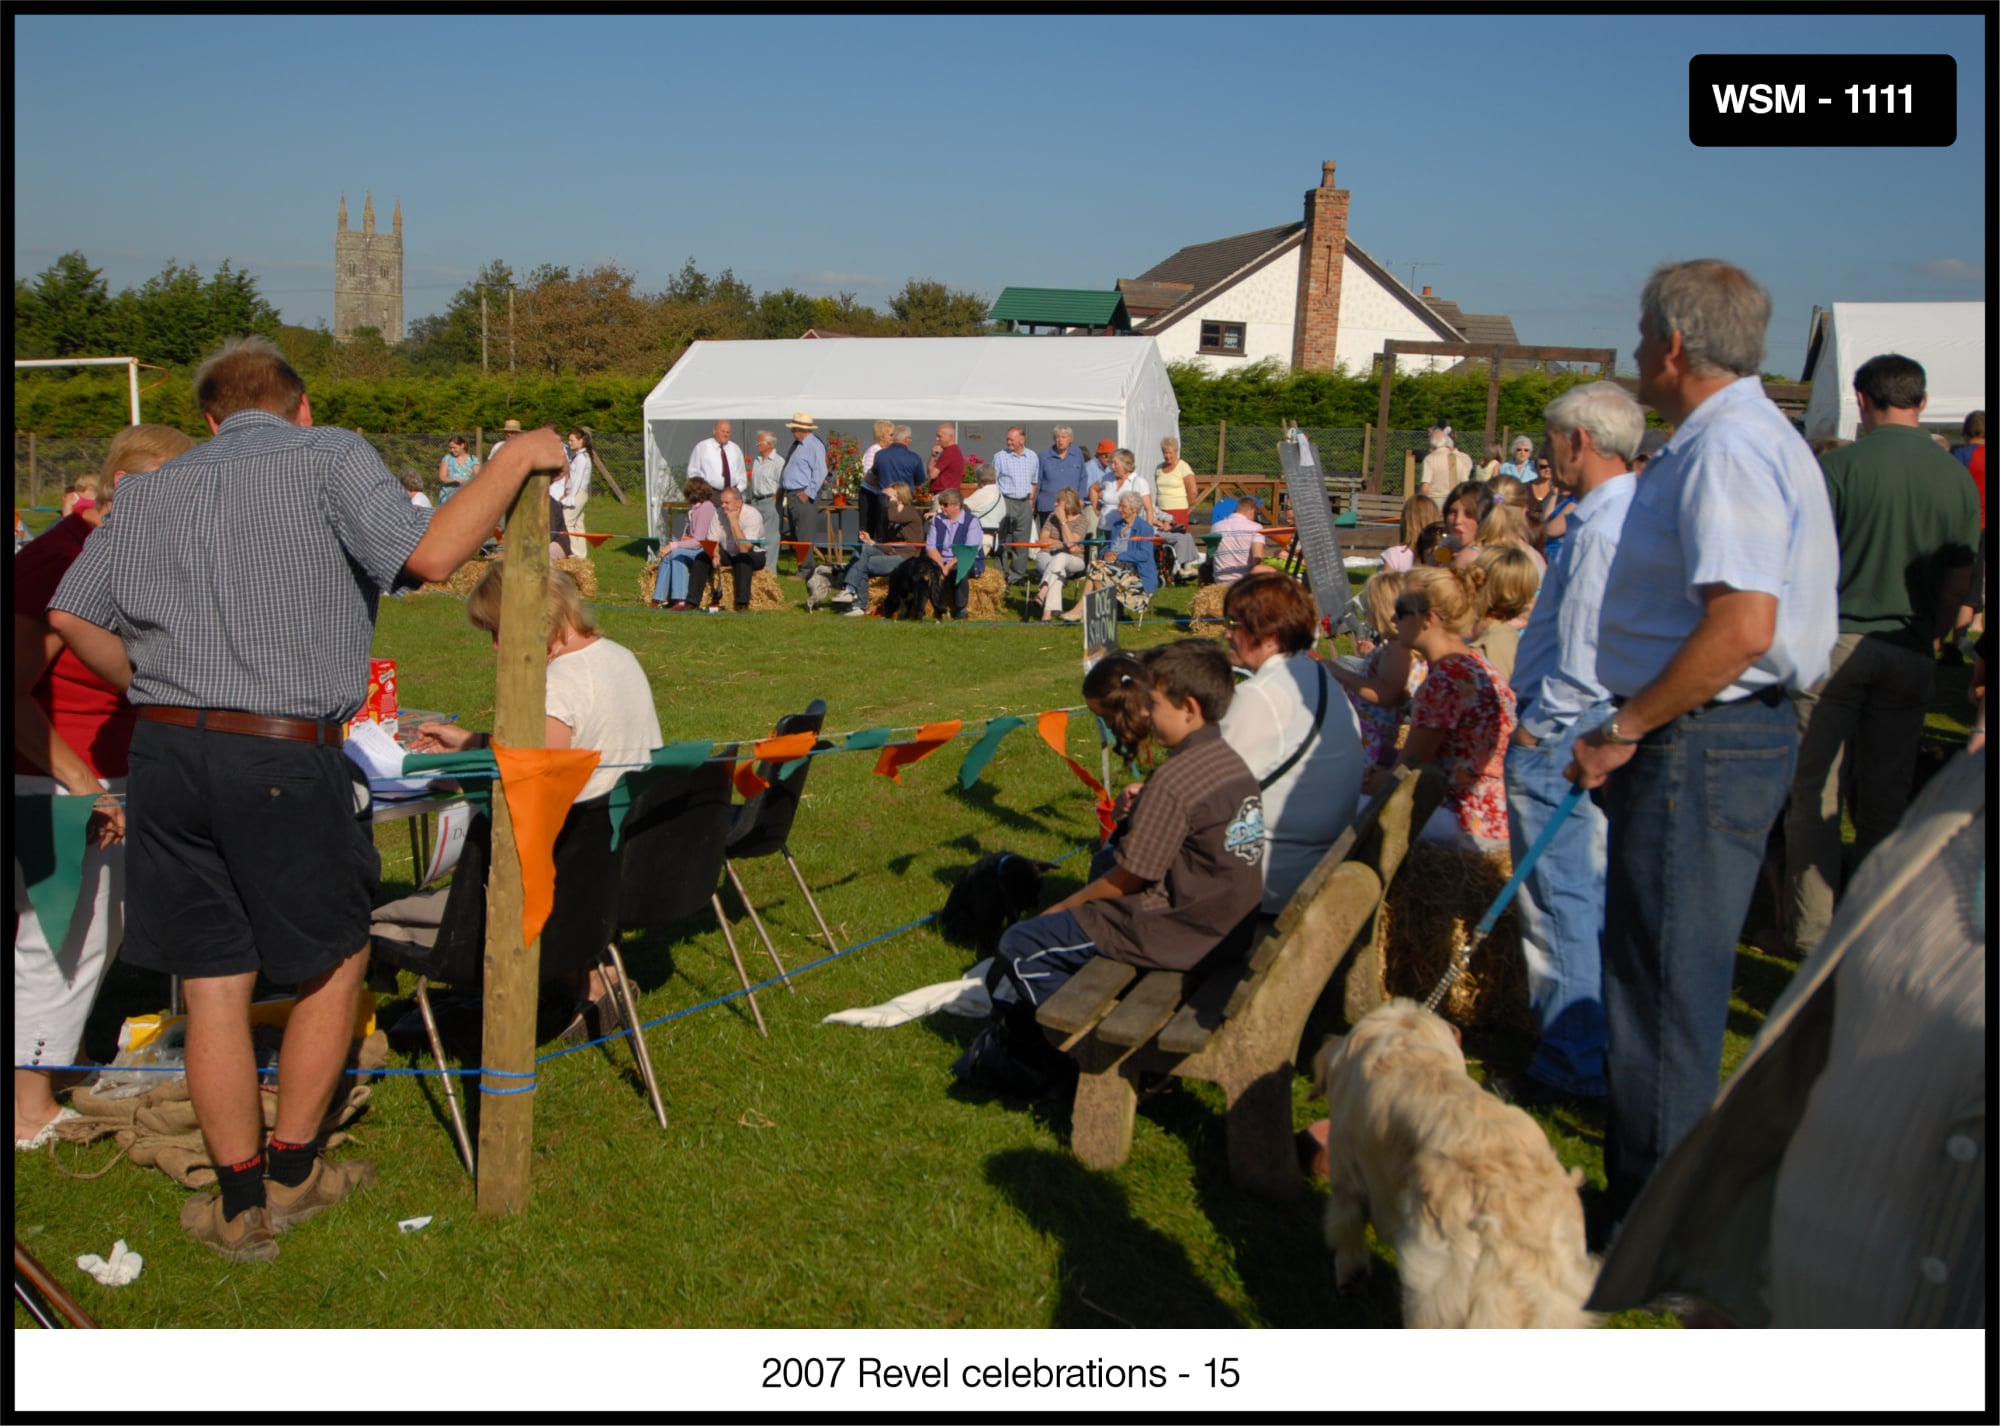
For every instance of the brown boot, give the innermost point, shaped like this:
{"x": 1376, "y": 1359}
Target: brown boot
{"x": 325, "y": 1186}
{"x": 246, "y": 1238}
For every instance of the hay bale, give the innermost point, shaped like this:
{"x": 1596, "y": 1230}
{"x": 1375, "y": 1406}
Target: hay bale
{"x": 1206, "y": 611}
{"x": 987, "y": 598}
{"x": 583, "y": 572}
{"x": 462, "y": 579}
{"x": 1435, "y": 901}
{"x": 765, "y": 592}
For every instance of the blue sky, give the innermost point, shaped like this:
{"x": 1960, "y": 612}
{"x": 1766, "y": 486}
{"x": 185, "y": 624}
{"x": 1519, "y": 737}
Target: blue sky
{"x": 1539, "y": 165}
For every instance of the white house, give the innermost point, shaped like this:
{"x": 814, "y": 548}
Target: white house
{"x": 1304, "y": 293}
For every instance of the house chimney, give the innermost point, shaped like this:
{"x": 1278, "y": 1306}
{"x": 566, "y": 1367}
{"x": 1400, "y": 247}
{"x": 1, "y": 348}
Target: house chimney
{"x": 1427, "y": 291}
{"x": 1322, "y": 259}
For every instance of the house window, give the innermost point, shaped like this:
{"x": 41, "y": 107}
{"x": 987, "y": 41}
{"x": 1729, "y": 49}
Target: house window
{"x": 1222, "y": 338}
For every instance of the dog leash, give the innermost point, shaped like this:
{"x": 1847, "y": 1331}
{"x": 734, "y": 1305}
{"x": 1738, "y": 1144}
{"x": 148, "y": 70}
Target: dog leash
{"x": 1500, "y": 903}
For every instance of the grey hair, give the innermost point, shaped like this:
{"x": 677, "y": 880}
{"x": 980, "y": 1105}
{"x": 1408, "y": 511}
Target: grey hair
{"x": 1064, "y": 431}
{"x": 1128, "y": 498}
{"x": 1125, "y": 458}
{"x": 767, "y": 436}
{"x": 1604, "y": 409}
{"x": 1719, "y": 309}
{"x": 1520, "y": 441}
{"x": 901, "y": 433}
{"x": 1174, "y": 441}
{"x": 1441, "y": 439}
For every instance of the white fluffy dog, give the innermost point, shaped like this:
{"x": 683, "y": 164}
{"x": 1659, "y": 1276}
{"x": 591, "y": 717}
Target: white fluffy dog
{"x": 1487, "y": 1225}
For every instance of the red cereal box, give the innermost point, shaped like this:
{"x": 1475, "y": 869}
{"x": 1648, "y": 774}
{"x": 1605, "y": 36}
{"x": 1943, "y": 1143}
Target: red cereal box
{"x": 380, "y": 704}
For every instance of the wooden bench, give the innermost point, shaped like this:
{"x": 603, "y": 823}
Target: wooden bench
{"x": 1238, "y": 1025}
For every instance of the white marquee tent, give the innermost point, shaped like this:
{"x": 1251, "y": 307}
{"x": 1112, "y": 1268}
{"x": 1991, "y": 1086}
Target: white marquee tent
{"x": 1947, "y": 338}
{"x": 1103, "y": 388}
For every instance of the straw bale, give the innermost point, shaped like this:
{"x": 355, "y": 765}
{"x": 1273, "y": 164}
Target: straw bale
{"x": 1206, "y": 610}
{"x": 1433, "y": 905}
{"x": 765, "y": 591}
{"x": 987, "y": 598}
{"x": 583, "y": 572}
{"x": 468, "y": 574}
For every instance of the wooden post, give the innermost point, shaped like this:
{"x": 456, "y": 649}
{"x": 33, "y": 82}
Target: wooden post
{"x": 479, "y": 443}
{"x": 1492, "y": 398}
{"x": 1409, "y": 473}
{"x": 34, "y": 475}
{"x": 1221, "y": 445}
{"x": 1382, "y": 417}
{"x": 1367, "y": 431}
{"x": 506, "y": 1120}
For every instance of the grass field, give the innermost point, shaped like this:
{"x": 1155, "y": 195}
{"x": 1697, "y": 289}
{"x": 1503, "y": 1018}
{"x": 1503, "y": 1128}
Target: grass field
{"x": 825, "y": 1176}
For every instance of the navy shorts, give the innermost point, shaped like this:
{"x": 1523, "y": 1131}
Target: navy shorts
{"x": 245, "y": 854}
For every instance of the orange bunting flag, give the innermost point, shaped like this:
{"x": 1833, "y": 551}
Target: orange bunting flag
{"x": 540, "y": 784}
{"x": 709, "y": 547}
{"x": 784, "y": 749}
{"x": 747, "y": 781}
{"x": 929, "y": 739}
{"x": 1054, "y": 728}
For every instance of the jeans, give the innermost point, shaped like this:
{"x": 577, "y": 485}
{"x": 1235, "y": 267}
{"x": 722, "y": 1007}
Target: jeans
{"x": 671, "y": 584}
{"x": 1561, "y": 909}
{"x": 1873, "y": 697}
{"x": 804, "y": 525}
{"x": 1689, "y": 815}
{"x": 1017, "y": 526}
{"x": 767, "y": 506}
{"x": 867, "y": 564}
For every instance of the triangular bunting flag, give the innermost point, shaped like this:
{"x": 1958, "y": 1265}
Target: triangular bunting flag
{"x": 929, "y": 739}
{"x": 49, "y": 846}
{"x": 967, "y": 555}
{"x": 983, "y": 750}
{"x": 673, "y": 757}
{"x": 747, "y": 781}
{"x": 1054, "y": 728}
{"x": 867, "y": 739}
{"x": 786, "y": 748}
{"x": 540, "y": 784}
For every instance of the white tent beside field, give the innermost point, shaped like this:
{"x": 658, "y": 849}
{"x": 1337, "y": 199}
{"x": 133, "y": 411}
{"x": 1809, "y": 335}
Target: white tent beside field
{"x": 1103, "y": 388}
{"x": 1947, "y": 338}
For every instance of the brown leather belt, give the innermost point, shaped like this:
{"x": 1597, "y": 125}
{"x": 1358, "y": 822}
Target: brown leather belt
{"x": 255, "y": 725}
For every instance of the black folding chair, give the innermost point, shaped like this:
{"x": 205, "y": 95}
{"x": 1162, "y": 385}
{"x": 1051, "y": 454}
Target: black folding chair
{"x": 762, "y": 826}
{"x": 672, "y": 849}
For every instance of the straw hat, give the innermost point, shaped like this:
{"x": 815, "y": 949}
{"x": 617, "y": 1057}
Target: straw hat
{"x": 512, "y": 428}
{"x": 801, "y": 422}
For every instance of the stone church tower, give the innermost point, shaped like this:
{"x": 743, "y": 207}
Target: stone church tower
{"x": 368, "y": 275}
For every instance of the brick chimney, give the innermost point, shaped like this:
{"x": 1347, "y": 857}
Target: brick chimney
{"x": 1322, "y": 259}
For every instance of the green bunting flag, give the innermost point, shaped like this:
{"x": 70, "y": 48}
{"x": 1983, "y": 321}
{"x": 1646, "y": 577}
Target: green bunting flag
{"x": 982, "y": 751}
{"x": 968, "y": 555}
{"x": 673, "y": 757}
{"x": 470, "y": 762}
{"x": 48, "y": 844}
{"x": 867, "y": 738}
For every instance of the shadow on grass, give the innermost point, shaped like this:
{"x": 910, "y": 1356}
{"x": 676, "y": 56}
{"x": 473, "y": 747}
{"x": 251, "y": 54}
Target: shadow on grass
{"x": 1115, "y": 1270}
{"x": 980, "y": 795}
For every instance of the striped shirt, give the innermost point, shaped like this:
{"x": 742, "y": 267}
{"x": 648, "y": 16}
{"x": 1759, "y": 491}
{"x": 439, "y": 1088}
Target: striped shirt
{"x": 244, "y": 574}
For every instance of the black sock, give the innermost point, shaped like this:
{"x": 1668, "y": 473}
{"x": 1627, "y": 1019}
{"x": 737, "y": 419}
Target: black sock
{"x": 242, "y": 1185}
{"x": 291, "y": 1164}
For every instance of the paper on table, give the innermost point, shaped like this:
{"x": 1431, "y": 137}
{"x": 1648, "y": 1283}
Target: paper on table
{"x": 381, "y": 757}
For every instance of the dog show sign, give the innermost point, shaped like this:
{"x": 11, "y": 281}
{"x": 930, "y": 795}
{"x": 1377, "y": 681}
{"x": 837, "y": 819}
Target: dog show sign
{"x": 1100, "y": 625}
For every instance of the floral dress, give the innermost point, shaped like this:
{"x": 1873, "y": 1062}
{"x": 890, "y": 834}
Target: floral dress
{"x": 1379, "y": 725}
{"x": 1474, "y": 707}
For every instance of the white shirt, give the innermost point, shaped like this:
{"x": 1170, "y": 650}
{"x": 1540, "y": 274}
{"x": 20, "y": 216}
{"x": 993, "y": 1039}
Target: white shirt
{"x": 749, "y": 517}
{"x": 417, "y": 497}
{"x": 1270, "y": 717}
{"x": 576, "y": 489}
{"x": 721, "y": 466}
{"x": 602, "y": 693}
{"x": 1735, "y": 498}
{"x": 1115, "y": 490}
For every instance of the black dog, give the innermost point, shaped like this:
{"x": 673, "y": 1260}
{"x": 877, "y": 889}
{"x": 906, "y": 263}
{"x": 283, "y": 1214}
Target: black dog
{"x": 991, "y": 895}
{"x": 916, "y": 587}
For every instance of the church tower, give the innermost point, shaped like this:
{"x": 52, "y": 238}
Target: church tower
{"x": 368, "y": 275}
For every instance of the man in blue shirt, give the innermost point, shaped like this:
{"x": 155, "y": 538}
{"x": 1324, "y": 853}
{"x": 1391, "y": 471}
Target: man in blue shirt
{"x": 805, "y": 473}
{"x": 1062, "y": 468}
{"x": 1015, "y": 471}
{"x": 1721, "y": 600}
{"x": 896, "y": 461}
{"x": 1593, "y": 432}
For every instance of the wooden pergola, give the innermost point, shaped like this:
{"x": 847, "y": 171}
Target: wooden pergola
{"x": 1604, "y": 358}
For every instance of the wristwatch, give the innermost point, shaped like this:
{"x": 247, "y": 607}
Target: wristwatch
{"x": 1612, "y": 736}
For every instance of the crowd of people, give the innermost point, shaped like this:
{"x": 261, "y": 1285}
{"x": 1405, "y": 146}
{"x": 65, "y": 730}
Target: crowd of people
{"x": 1712, "y": 632}
{"x": 1046, "y": 517}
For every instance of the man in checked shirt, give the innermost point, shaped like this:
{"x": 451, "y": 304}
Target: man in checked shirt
{"x": 234, "y": 599}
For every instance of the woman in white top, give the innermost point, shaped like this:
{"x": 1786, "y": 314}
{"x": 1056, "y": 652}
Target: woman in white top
{"x": 597, "y": 696}
{"x": 576, "y": 486}
{"x": 1126, "y": 480}
{"x": 1314, "y": 772}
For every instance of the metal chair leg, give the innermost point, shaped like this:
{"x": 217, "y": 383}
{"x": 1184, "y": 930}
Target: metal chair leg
{"x": 758, "y": 922}
{"x": 628, "y": 1011}
{"x": 799, "y": 877}
{"x": 741, "y": 974}
{"x": 450, "y": 1089}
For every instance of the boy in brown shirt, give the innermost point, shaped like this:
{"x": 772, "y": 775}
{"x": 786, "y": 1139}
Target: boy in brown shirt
{"x": 1185, "y": 875}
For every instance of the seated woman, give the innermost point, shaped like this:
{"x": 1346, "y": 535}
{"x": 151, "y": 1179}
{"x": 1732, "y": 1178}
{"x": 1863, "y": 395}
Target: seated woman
{"x": 1063, "y": 559}
{"x": 1507, "y": 581}
{"x": 597, "y": 697}
{"x": 1389, "y": 676}
{"x": 1126, "y": 563}
{"x": 1419, "y": 513}
{"x": 1460, "y": 719}
{"x": 1240, "y": 550}
{"x": 1293, "y": 730}
{"x": 684, "y": 556}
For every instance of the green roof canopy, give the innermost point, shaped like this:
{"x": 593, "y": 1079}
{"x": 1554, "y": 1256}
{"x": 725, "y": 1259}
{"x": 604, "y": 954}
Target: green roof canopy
{"x": 1062, "y": 307}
